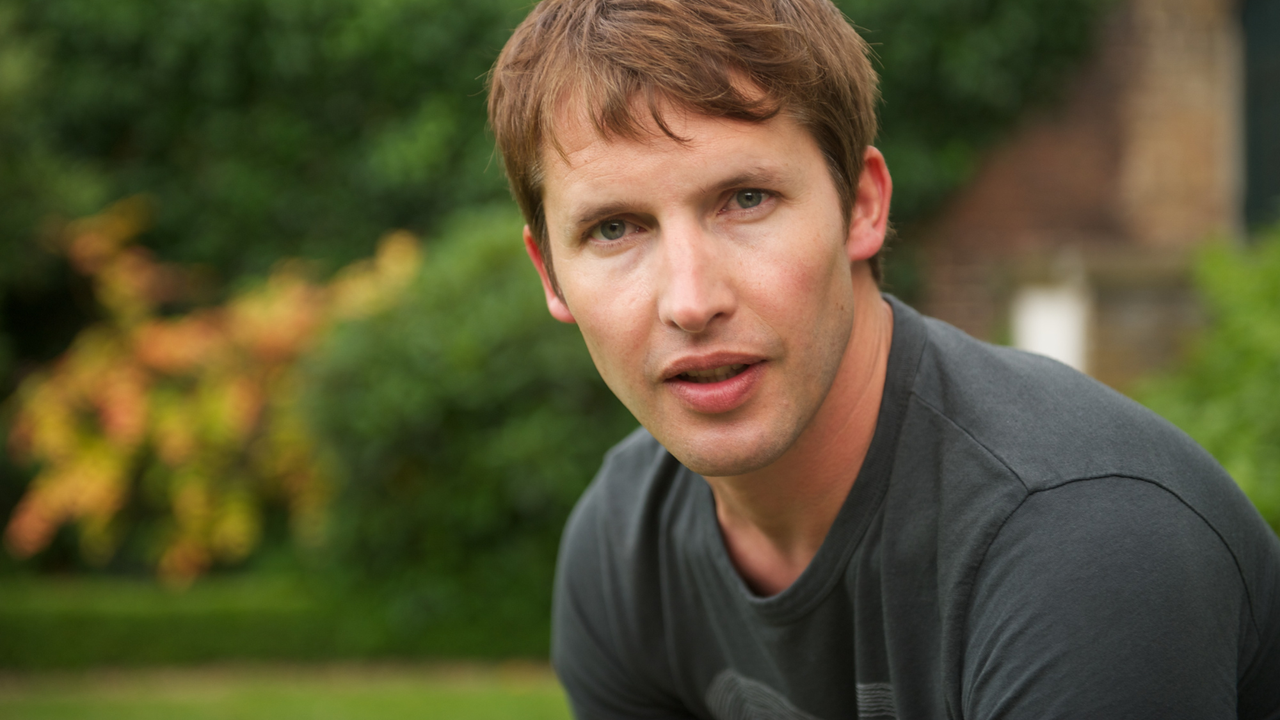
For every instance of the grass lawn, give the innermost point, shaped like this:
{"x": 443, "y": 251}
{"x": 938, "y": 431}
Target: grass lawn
{"x": 249, "y": 692}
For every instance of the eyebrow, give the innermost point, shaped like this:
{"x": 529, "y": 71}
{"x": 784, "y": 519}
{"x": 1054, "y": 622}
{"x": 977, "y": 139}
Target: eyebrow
{"x": 758, "y": 177}
{"x": 762, "y": 178}
{"x": 598, "y": 213}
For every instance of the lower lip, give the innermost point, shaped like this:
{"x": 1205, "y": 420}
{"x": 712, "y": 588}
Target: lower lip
{"x": 717, "y": 397}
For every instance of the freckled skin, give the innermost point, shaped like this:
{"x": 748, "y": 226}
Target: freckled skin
{"x": 695, "y": 273}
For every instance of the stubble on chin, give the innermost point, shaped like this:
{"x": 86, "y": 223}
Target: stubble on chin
{"x": 726, "y": 451}
{"x": 708, "y": 462}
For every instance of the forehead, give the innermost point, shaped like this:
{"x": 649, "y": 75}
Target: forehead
{"x": 576, "y": 140}
{"x": 576, "y": 125}
{"x": 584, "y": 111}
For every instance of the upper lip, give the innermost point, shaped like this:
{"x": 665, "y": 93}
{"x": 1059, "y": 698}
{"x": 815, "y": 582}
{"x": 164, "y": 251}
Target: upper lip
{"x": 709, "y": 361}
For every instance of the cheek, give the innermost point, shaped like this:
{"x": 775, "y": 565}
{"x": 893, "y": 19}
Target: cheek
{"x": 614, "y": 323}
{"x": 619, "y": 360}
{"x": 803, "y": 280}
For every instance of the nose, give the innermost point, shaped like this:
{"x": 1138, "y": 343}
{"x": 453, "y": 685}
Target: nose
{"x": 695, "y": 287}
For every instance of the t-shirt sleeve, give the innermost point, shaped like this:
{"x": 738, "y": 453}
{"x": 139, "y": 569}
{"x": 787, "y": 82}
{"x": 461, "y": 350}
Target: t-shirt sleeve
{"x": 1105, "y": 598}
{"x": 591, "y": 632}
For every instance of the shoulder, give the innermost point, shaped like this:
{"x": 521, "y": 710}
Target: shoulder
{"x": 1110, "y": 584}
{"x": 614, "y": 522}
{"x": 607, "y": 626}
{"x": 622, "y": 508}
{"x": 1099, "y": 532}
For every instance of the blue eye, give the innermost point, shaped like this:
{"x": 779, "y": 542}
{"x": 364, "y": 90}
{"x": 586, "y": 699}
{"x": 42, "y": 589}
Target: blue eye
{"x": 747, "y": 199}
{"x": 610, "y": 230}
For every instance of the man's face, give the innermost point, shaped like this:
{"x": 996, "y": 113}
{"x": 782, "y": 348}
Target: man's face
{"x": 711, "y": 280}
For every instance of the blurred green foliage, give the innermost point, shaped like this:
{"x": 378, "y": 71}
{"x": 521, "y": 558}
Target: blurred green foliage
{"x": 465, "y": 422}
{"x": 266, "y": 128}
{"x": 82, "y": 622}
{"x": 36, "y": 179}
{"x": 1226, "y": 394}
{"x": 73, "y": 622}
{"x": 261, "y": 129}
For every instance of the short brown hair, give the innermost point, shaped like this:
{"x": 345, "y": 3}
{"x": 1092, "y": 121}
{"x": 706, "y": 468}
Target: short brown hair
{"x": 740, "y": 59}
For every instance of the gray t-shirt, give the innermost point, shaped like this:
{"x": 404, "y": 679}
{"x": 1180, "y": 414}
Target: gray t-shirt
{"x": 1020, "y": 542}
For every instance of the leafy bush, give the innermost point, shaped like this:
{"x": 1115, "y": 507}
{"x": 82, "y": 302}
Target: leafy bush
{"x": 260, "y": 129}
{"x": 465, "y": 422}
{"x": 267, "y": 128}
{"x": 36, "y": 181}
{"x": 192, "y": 418}
{"x": 1226, "y": 394}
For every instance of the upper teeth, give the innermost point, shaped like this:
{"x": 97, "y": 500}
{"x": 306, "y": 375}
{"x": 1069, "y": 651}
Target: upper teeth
{"x": 724, "y": 372}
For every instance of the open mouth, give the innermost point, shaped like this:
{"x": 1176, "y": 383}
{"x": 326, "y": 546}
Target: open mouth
{"x": 712, "y": 375}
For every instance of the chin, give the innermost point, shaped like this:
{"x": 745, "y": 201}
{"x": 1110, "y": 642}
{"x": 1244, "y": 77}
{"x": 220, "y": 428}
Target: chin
{"x": 723, "y": 457}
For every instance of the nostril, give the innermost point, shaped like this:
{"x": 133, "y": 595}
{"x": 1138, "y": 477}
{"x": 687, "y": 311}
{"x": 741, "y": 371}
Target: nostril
{"x": 694, "y": 301}
{"x": 694, "y": 317}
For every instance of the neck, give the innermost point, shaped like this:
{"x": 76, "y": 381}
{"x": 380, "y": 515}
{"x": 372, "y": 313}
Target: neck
{"x": 774, "y": 519}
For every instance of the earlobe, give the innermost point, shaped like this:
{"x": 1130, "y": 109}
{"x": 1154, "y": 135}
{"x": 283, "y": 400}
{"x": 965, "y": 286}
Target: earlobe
{"x": 555, "y": 304}
{"x": 870, "y": 217}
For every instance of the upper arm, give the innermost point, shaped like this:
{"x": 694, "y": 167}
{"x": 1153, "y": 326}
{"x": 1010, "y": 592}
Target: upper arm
{"x": 1104, "y": 598}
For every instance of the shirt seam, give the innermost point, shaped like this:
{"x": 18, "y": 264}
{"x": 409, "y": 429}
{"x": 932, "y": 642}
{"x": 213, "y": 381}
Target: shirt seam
{"x": 993, "y": 454}
{"x": 1235, "y": 560}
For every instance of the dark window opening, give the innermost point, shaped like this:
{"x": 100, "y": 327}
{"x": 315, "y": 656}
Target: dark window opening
{"x": 1262, "y": 112}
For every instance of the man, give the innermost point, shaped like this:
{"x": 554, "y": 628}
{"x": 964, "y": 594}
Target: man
{"x": 836, "y": 507}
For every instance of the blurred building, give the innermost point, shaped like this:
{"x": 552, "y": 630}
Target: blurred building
{"x": 1076, "y": 236}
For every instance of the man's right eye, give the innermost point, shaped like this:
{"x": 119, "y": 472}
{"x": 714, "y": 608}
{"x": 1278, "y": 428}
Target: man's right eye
{"x": 611, "y": 230}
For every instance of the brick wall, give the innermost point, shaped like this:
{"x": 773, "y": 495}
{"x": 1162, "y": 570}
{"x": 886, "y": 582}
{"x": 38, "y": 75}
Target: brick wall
{"x": 1138, "y": 163}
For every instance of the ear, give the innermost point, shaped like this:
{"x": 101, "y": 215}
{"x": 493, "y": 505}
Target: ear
{"x": 870, "y": 217}
{"x": 555, "y": 304}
